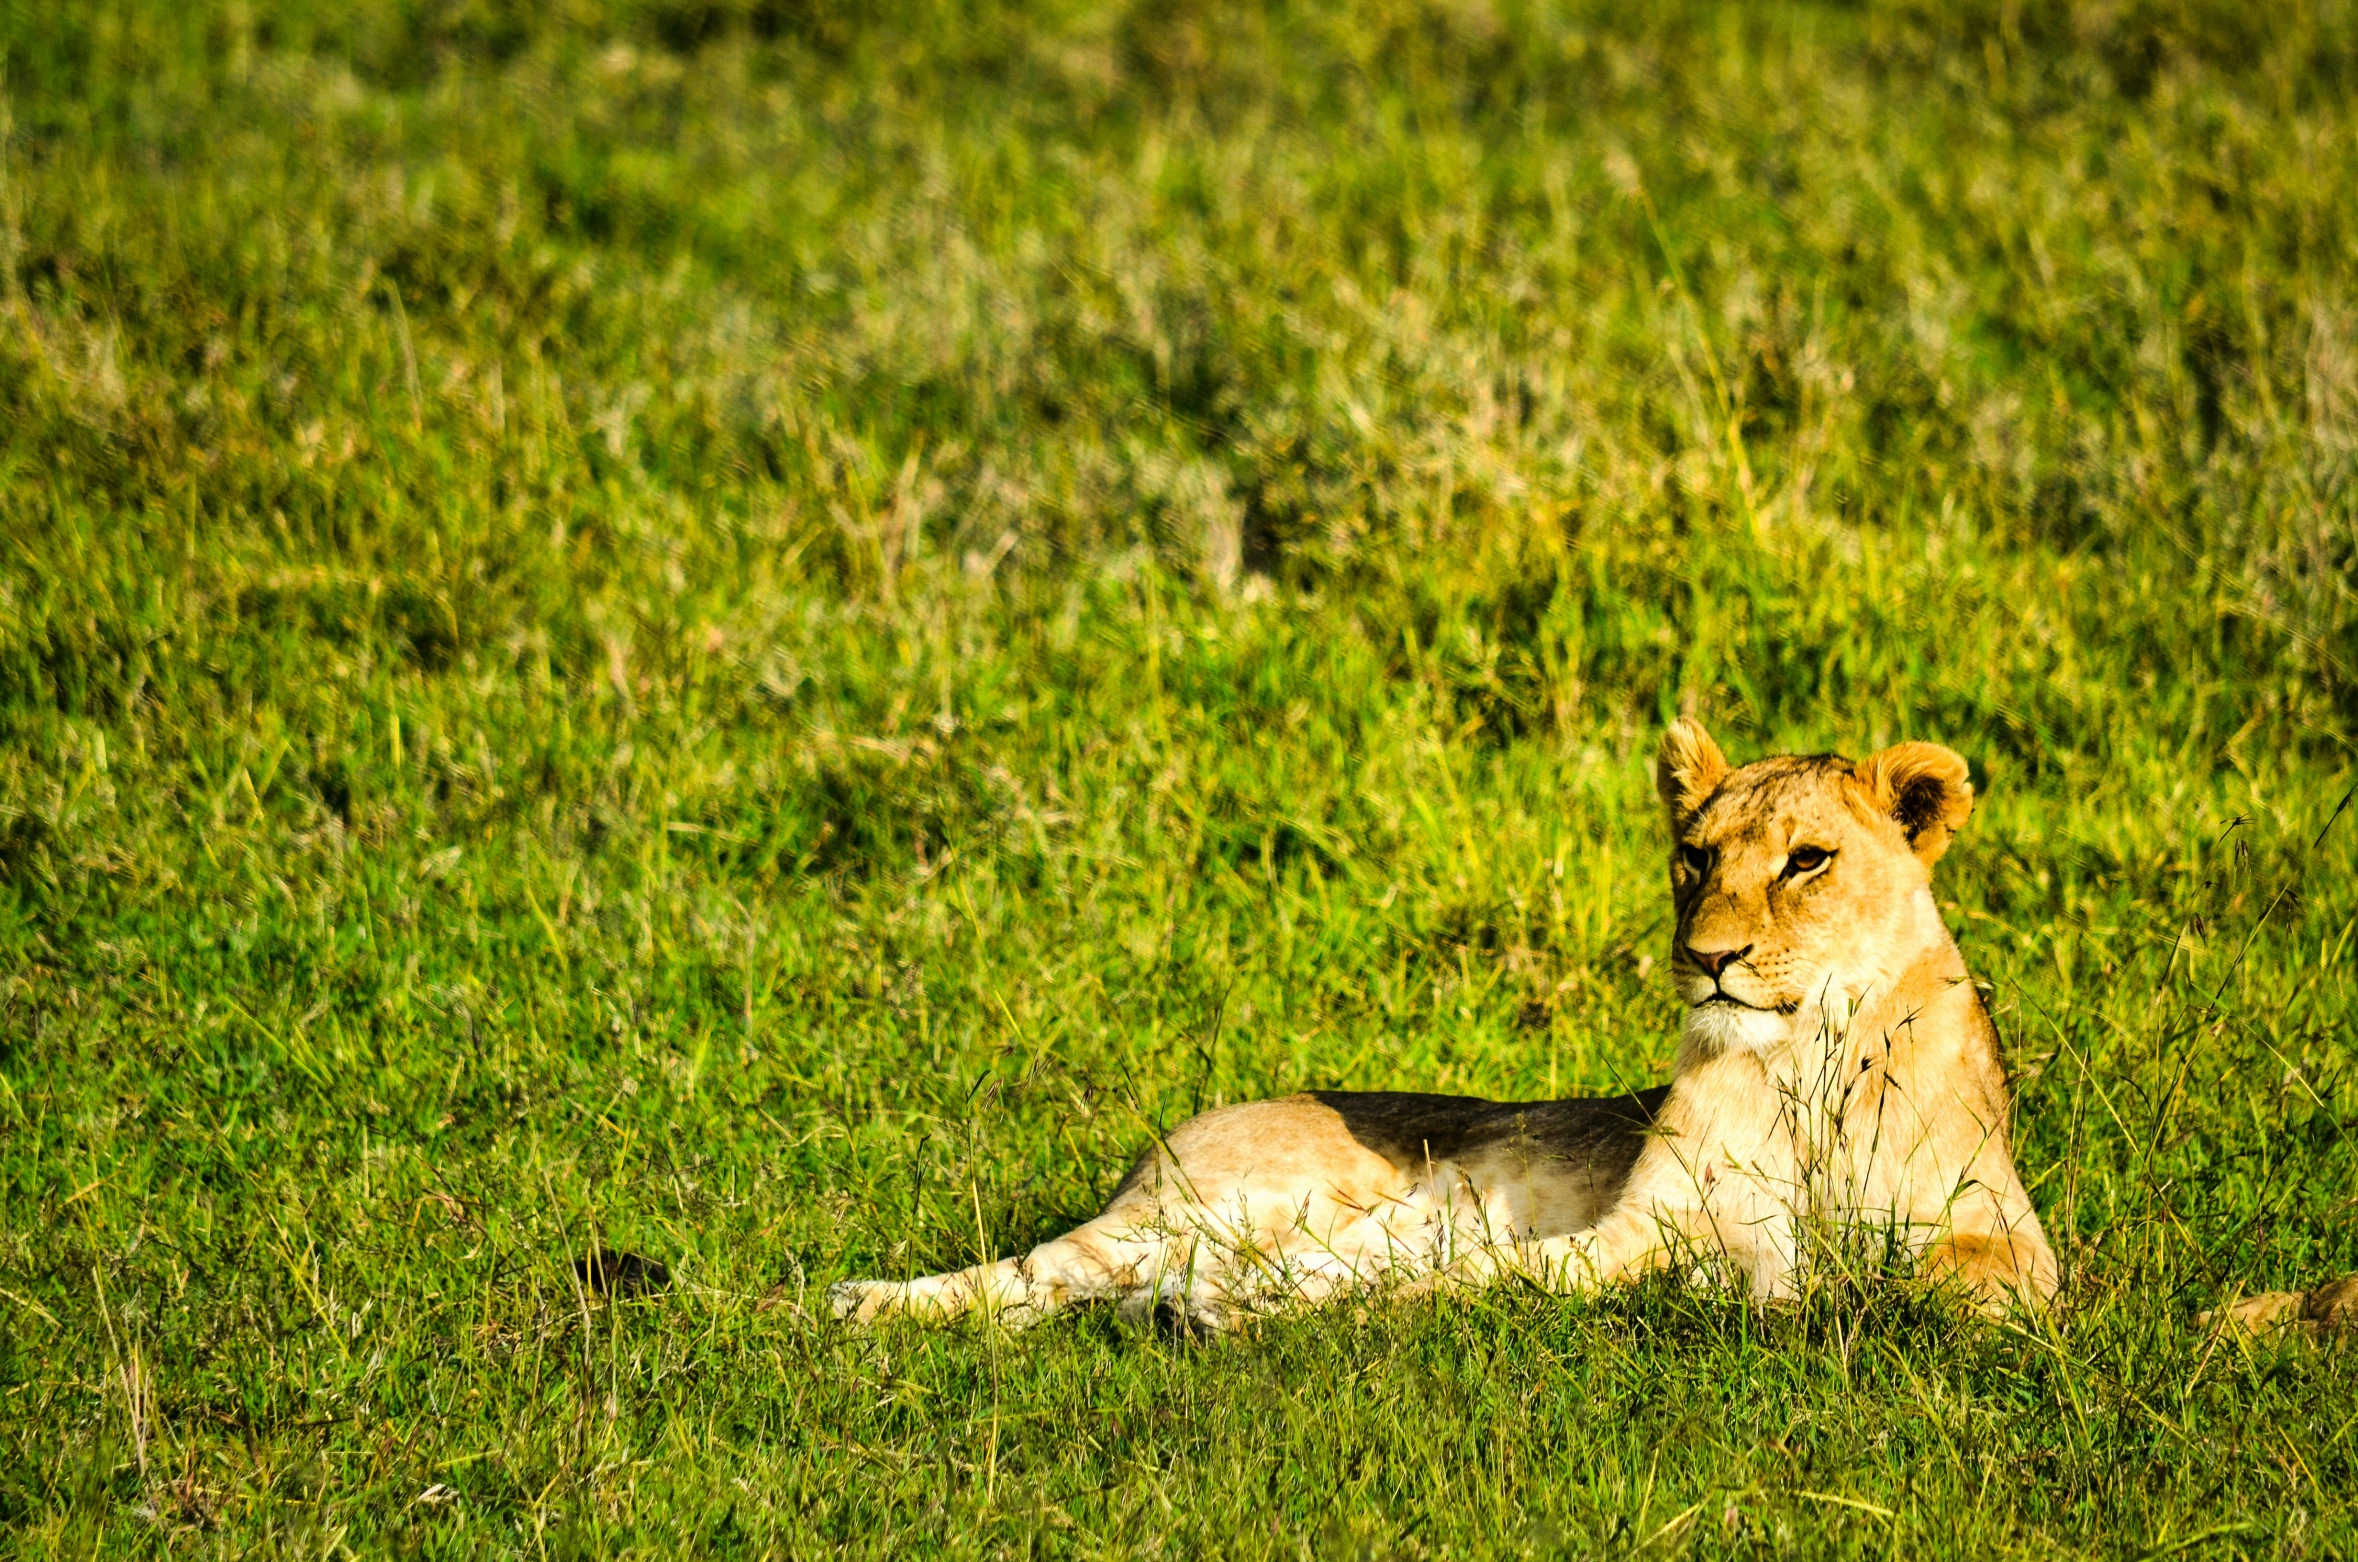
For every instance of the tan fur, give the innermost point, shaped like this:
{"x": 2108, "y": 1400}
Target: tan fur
{"x": 1839, "y": 1080}
{"x": 2329, "y": 1310}
{"x": 1690, "y": 766}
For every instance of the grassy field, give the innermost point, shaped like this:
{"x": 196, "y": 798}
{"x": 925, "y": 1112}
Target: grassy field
{"x": 759, "y": 631}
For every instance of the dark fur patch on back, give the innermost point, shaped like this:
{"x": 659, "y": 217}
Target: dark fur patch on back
{"x": 1410, "y": 1130}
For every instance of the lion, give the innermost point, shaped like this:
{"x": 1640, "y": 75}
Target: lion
{"x": 1838, "y": 1074}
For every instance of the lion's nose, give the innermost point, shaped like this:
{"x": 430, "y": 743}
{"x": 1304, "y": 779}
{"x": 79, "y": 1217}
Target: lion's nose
{"x": 1714, "y": 961}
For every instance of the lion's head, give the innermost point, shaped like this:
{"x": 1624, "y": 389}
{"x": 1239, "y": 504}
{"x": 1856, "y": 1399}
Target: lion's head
{"x": 1802, "y": 881}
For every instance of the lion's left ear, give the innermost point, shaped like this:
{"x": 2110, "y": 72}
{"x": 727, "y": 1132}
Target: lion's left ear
{"x": 1687, "y": 770}
{"x": 1923, "y": 786}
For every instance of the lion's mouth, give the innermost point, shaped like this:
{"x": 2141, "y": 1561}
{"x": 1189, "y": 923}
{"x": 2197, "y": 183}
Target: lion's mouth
{"x": 1733, "y": 1002}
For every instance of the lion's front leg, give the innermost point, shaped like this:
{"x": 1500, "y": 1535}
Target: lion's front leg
{"x": 2000, "y": 1271}
{"x": 1748, "y": 1240}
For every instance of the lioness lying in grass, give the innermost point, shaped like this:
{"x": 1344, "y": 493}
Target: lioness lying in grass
{"x": 1838, "y": 1072}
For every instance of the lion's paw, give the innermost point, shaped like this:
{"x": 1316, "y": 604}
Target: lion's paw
{"x": 861, "y": 1301}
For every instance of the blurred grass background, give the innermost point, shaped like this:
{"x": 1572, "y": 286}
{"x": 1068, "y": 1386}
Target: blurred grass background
{"x": 757, "y": 630}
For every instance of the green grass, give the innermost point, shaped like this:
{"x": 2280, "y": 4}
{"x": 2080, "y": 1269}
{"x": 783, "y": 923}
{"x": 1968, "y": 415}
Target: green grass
{"x": 758, "y": 630}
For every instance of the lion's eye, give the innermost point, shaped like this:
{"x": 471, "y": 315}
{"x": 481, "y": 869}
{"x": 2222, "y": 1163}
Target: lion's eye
{"x": 1805, "y": 859}
{"x": 1695, "y": 860}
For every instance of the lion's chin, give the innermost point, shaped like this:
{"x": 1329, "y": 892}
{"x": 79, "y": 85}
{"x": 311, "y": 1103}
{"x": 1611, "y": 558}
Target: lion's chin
{"x": 1729, "y": 1025}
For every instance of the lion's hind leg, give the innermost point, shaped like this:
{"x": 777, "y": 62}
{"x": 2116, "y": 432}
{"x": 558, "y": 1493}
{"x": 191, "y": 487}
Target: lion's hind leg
{"x": 1106, "y": 1257}
{"x": 1222, "y": 1271}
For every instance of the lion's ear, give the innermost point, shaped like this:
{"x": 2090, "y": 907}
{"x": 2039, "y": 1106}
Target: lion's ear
{"x": 1689, "y": 766}
{"x": 1925, "y": 788}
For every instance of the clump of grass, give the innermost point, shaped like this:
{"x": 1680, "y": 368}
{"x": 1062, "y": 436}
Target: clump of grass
{"x": 752, "y": 635}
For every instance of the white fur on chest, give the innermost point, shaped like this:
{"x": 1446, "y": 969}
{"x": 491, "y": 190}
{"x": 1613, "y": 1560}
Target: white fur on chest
{"x": 1717, "y": 1028}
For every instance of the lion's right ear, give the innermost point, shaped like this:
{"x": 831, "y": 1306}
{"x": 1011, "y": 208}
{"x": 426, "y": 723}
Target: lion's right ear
{"x": 1925, "y": 788}
{"x": 1687, "y": 769}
